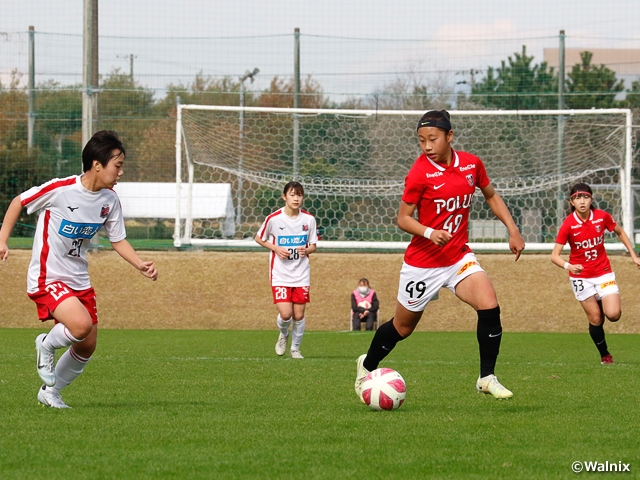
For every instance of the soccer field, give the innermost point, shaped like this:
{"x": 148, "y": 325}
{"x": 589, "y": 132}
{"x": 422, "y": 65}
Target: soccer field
{"x": 221, "y": 404}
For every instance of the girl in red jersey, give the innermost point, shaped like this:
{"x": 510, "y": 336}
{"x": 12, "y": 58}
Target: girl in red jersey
{"x": 590, "y": 273}
{"x": 440, "y": 186}
{"x": 290, "y": 234}
{"x": 70, "y": 212}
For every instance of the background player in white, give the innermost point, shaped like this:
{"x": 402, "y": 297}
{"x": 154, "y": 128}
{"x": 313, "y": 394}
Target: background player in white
{"x": 592, "y": 279}
{"x": 440, "y": 186}
{"x": 71, "y": 211}
{"x": 290, "y": 234}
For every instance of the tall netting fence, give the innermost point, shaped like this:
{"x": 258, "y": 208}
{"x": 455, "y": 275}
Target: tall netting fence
{"x": 353, "y": 186}
{"x": 353, "y": 164}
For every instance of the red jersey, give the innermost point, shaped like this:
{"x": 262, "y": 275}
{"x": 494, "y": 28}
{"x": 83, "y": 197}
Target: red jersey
{"x": 586, "y": 239}
{"x": 443, "y": 196}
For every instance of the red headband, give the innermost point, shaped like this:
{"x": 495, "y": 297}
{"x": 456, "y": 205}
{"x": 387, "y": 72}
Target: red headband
{"x": 578, "y": 193}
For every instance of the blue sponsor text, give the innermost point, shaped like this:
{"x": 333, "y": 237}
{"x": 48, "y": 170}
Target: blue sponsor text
{"x": 78, "y": 230}
{"x": 292, "y": 240}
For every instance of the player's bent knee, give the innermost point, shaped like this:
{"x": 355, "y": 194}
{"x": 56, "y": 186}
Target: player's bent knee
{"x": 614, "y": 317}
{"x": 81, "y": 330}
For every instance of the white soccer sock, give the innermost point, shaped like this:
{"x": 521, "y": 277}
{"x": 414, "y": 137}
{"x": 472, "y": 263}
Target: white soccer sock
{"x": 59, "y": 337}
{"x": 283, "y": 325}
{"x": 69, "y": 367}
{"x": 297, "y": 331}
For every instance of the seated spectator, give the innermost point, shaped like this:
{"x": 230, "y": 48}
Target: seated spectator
{"x": 364, "y": 305}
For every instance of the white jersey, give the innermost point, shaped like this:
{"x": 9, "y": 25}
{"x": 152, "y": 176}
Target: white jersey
{"x": 291, "y": 233}
{"x": 69, "y": 216}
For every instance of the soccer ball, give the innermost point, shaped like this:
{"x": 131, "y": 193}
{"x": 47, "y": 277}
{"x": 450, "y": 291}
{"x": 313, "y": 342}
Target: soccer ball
{"x": 384, "y": 389}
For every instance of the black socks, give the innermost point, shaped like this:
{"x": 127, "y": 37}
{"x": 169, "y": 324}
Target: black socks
{"x": 383, "y": 342}
{"x": 597, "y": 335}
{"x": 489, "y": 333}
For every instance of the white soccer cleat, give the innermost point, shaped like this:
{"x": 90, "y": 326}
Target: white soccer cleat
{"x": 281, "y": 345}
{"x": 361, "y": 372}
{"x": 44, "y": 362}
{"x": 51, "y": 399}
{"x": 296, "y": 354}
{"x": 491, "y": 385}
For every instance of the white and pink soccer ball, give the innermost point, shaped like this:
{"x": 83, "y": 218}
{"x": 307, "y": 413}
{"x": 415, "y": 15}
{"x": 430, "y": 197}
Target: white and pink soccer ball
{"x": 384, "y": 389}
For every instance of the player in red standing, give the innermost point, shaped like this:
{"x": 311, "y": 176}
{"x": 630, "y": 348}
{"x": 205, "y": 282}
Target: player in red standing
{"x": 592, "y": 279}
{"x": 291, "y": 234}
{"x": 441, "y": 185}
{"x": 71, "y": 211}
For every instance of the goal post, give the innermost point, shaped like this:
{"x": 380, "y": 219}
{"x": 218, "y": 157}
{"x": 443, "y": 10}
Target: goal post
{"x": 352, "y": 164}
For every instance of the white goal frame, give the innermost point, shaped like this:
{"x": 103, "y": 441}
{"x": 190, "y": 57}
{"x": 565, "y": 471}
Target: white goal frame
{"x": 183, "y": 236}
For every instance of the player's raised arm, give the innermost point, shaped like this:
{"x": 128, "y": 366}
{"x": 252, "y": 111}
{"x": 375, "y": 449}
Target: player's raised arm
{"x": 126, "y": 251}
{"x": 10, "y": 219}
{"x": 500, "y": 210}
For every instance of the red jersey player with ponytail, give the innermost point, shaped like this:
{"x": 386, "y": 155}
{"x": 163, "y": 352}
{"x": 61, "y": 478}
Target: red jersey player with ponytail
{"x": 440, "y": 186}
{"x": 592, "y": 279}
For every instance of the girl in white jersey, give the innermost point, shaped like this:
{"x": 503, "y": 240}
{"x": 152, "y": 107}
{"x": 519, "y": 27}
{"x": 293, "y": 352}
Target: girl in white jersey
{"x": 440, "y": 187}
{"x": 290, "y": 234}
{"x": 592, "y": 279}
{"x": 70, "y": 212}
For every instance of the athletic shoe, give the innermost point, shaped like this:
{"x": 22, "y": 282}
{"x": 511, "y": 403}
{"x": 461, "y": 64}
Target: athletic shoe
{"x": 44, "y": 362}
{"x": 52, "y": 399}
{"x": 281, "y": 345}
{"x": 361, "y": 372}
{"x": 296, "y": 354}
{"x": 607, "y": 360}
{"x": 490, "y": 384}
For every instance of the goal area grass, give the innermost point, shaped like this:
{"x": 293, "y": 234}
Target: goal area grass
{"x": 221, "y": 404}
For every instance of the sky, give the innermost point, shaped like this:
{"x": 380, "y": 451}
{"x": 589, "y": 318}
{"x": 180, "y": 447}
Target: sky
{"x": 349, "y": 46}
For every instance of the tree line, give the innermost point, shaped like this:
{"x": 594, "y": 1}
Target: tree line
{"x": 147, "y": 123}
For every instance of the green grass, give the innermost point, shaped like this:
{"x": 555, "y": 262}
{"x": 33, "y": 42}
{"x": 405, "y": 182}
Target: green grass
{"x": 221, "y": 404}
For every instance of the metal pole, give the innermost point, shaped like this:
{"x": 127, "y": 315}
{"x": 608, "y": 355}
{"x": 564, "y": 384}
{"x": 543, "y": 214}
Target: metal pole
{"x": 625, "y": 180}
{"x": 559, "y": 194}
{"x": 131, "y": 67}
{"x": 296, "y": 104}
{"x": 177, "y": 240}
{"x": 239, "y": 189}
{"x": 90, "y": 70}
{"x": 31, "y": 119}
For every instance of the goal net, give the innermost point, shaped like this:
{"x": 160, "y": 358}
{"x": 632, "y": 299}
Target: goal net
{"x": 352, "y": 164}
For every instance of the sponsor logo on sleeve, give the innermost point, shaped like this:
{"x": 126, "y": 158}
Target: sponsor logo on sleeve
{"x": 292, "y": 240}
{"x": 78, "y": 230}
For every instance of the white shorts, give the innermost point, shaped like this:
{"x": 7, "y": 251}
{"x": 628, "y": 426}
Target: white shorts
{"x": 602, "y": 286}
{"x": 418, "y": 286}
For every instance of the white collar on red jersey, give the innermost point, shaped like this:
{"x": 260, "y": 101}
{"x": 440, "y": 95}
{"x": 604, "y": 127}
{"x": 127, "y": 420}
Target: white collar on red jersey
{"x": 579, "y": 220}
{"x": 456, "y": 161}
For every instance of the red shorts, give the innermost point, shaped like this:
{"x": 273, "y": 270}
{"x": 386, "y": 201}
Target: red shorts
{"x": 52, "y": 295}
{"x": 290, "y": 294}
